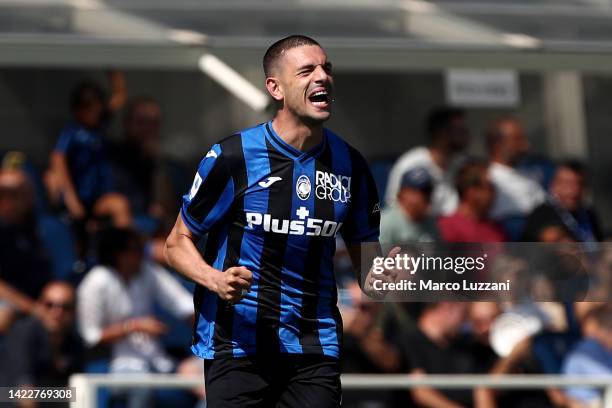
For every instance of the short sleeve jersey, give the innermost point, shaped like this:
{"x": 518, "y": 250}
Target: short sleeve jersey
{"x": 277, "y": 211}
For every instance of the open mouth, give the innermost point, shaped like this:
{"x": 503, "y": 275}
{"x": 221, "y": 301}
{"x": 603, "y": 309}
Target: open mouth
{"x": 319, "y": 98}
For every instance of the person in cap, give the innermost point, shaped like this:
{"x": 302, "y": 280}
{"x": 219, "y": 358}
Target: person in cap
{"x": 410, "y": 219}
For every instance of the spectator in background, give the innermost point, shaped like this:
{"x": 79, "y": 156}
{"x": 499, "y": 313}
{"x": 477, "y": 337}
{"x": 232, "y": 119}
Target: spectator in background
{"x": 367, "y": 347}
{"x": 480, "y": 317}
{"x": 25, "y": 267}
{"x": 517, "y": 195}
{"x": 542, "y": 353}
{"x": 141, "y": 173}
{"x": 434, "y": 348}
{"x": 448, "y": 136}
{"x": 43, "y": 350}
{"x": 592, "y": 356}
{"x": 116, "y": 305}
{"x": 565, "y": 207}
{"x": 471, "y": 223}
{"x": 409, "y": 220}
{"x": 79, "y": 175}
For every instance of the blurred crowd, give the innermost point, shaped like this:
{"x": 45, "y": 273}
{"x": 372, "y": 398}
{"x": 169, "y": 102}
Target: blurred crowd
{"x": 84, "y": 286}
{"x": 439, "y": 194}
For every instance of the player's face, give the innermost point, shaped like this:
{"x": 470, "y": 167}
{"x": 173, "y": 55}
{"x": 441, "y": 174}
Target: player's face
{"x": 307, "y": 83}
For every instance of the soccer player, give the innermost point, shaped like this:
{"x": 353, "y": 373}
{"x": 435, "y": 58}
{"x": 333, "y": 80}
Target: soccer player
{"x": 272, "y": 199}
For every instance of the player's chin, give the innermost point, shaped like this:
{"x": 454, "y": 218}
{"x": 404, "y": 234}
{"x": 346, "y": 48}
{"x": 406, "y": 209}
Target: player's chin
{"x": 319, "y": 114}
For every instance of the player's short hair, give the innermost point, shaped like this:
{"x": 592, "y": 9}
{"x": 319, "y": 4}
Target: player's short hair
{"x": 440, "y": 119}
{"x": 470, "y": 175}
{"x": 86, "y": 92}
{"x": 277, "y": 49}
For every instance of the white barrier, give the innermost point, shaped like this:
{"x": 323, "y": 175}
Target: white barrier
{"x": 86, "y": 385}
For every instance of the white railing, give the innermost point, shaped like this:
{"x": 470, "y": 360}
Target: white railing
{"x": 86, "y": 385}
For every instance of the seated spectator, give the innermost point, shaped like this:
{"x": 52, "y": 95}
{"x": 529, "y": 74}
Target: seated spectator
{"x": 517, "y": 195}
{"x": 409, "y": 219}
{"x": 565, "y": 207}
{"x": 471, "y": 223}
{"x": 25, "y": 267}
{"x": 592, "y": 356}
{"x": 367, "y": 347}
{"x": 601, "y": 287}
{"x": 116, "y": 305}
{"x": 551, "y": 233}
{"x": 141, "y": 173}
{"x": 79, "y": 176}
{"x": 44, "y": 349}
{"x": 433, "y": 347}
{"x": 448, "y": 136}
{"x": 480, "y": 317}
{"x": 543, "y": 353}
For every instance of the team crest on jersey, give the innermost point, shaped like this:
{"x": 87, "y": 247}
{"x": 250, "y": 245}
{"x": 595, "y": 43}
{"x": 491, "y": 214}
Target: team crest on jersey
{"x": 303, "y": 187}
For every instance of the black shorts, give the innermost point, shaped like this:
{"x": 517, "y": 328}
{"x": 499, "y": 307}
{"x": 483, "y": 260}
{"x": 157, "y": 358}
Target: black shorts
{"x": 291, "y": 380}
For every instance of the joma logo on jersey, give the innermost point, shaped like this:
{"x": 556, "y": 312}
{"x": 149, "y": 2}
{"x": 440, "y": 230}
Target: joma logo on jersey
{"x": 303, "y": 226}
{"x": 334, "y": 187}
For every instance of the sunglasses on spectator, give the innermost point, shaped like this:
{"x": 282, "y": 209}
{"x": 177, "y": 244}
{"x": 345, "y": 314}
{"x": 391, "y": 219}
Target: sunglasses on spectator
{"x": 67, "y": 307}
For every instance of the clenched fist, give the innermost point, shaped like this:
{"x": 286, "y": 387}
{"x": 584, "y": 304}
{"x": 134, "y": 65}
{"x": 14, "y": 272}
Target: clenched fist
{"x": 232, "y": 284}
{"x": 388, "y": 276}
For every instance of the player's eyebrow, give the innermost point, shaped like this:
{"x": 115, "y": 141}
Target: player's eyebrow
{"x": 308, "y": 67}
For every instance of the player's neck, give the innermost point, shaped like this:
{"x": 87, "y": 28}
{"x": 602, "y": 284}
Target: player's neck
{"x": 296, "y": 133}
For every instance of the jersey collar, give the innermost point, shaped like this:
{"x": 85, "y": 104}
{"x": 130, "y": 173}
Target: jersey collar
{"x": 291, "y": 151}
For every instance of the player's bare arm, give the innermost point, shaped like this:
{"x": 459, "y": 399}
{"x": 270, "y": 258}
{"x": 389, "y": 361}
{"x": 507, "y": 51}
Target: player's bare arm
{"x": 181, "y": 253}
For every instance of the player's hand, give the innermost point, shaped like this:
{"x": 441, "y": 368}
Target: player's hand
{"x": 148, "y": 325}
{"x": 387, "y": 276}
{"x": 233, "y": 284}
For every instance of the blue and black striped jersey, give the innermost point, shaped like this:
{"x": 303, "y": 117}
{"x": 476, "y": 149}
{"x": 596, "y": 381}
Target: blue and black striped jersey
{"x": 276, "y": 210}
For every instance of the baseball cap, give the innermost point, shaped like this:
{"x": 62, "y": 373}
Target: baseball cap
{"x": 417, "y": 178}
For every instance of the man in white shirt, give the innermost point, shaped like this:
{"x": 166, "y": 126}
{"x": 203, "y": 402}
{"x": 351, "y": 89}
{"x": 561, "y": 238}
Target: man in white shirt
{"x": 116, "y": 305}
{"x": 516, "y": 194}
{"x": 448, "y": 135}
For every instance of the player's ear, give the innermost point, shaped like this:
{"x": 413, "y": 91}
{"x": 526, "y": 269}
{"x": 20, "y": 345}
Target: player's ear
{"x": 274, "y": 88}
